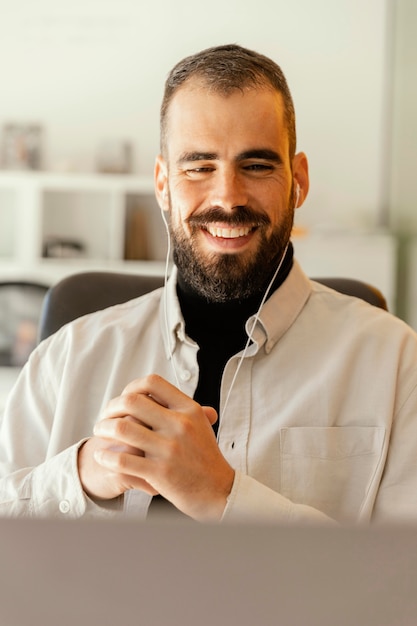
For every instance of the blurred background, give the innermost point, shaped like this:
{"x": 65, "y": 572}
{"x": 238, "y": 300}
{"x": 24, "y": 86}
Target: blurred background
{"x": 91, "y": 72}
{"x": 81, "y": 84}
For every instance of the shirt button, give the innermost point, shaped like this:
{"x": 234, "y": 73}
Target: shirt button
{"x": 185, "y": 375}
{"x": 64, "y": 506}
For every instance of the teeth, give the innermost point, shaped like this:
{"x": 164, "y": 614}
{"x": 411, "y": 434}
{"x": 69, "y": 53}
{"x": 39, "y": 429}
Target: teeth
{"x": 228, "y": 233}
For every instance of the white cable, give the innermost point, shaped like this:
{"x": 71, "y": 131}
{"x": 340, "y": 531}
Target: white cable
{"x": 255, "y": 321}
{"x": 165, "y": 296}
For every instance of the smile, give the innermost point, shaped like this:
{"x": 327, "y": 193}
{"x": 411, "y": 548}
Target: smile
{"x": 229, "y": 233}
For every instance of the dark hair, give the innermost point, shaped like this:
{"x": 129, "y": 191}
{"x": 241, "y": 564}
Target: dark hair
{"x": 225, "y": 69}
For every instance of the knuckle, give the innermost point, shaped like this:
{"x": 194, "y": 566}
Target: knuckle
{"x": 122, "y": 463}
{"x": 152, "y": 380}
{"x": 172, "y": 449}
{"x": 184, "y": 425}
{"x": 130, "y": 402}
{"x": 121, "y": 427}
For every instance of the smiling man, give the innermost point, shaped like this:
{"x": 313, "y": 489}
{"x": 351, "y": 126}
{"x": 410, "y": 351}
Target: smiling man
{"x": 228, "y": 172}
{"x": 242, "y": 390}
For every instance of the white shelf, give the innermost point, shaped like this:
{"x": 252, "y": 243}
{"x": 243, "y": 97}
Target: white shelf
{"x": 109, "y": 216}
{"x": 50, "y": 271}
{"x": 8, "y": 225}
{"x": 74, "y": 181}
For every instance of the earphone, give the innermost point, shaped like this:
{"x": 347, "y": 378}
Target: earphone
{"x": 297, "y": 195}
{"x": 165, "y": 293}
{"x": 164, "y": 193}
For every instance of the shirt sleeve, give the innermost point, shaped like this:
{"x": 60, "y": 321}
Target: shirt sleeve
{"x": 51, "y": 489}
{"x": 250, "y": 501}
{"x": 38, "y": 456}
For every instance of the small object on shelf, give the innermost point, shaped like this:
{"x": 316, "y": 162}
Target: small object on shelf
{"x": 136, "y": 233}
{"x": 59, "y": 248}
{"x": 114, "y": 157}
{"x": 22, "y": 147}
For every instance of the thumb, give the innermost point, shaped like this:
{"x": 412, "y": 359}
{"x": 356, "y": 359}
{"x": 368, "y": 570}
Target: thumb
{"x": 211, "y": 414}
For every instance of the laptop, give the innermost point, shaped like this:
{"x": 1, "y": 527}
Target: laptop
{"x": 55, "y": 573}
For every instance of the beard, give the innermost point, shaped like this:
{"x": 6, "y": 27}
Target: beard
{"x": 221, "y": 277}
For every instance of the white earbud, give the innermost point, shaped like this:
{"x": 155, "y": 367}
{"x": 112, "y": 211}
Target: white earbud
{"x": 164, "y": 198}
{"x": 297, "y": 195}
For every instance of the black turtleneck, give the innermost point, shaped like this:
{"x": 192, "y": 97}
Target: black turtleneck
{"x": 219, "y": 330}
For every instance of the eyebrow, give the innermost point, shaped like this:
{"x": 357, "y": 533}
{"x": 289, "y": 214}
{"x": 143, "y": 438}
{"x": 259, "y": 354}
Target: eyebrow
{"x": 261, "y": 153}
{"x": 257, "y": 153}
{"x": 188, "y": 157}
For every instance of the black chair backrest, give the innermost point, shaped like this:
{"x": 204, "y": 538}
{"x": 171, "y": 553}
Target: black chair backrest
{"x": 87, "y": 292}
{"x": 356, "y": 288}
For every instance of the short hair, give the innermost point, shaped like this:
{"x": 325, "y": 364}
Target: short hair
{"x": 225, "y": 69}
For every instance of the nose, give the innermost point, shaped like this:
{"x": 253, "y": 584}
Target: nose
{"x": 228, "y": 190}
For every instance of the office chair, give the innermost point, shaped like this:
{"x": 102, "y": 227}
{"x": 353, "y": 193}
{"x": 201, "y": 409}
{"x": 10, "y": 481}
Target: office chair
{"x": 20, "y": 309}
{"x": 87, "y": 292}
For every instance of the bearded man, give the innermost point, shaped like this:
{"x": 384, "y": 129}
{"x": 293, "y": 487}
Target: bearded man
{"x": 242, "y": 390}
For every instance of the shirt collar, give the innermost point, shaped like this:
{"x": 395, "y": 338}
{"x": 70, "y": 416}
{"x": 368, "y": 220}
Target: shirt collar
{"x": 277, "y": 315}
{"x": 281, "y": 309}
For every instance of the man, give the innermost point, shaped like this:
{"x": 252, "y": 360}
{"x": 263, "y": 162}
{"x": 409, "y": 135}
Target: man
{"x": 312, "y": 394}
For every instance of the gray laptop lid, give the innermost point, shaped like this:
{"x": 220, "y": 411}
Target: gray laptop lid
{"x": 57, "y": 573}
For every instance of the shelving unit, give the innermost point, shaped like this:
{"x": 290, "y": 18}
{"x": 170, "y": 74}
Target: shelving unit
{"x": 88, "y": 221}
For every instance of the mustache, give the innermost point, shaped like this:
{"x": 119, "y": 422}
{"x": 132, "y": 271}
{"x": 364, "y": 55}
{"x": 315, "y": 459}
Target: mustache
{"x": 241, "y": 216}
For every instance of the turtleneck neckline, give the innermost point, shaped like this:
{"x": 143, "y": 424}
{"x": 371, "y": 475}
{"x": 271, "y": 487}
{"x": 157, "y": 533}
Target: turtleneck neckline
{"x": 202, "y": 316}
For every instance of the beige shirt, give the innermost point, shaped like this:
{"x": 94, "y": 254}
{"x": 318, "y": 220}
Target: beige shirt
{"x": 321, "y": 422}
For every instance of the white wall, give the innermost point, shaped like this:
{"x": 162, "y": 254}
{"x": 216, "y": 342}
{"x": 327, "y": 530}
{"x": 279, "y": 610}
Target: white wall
{"x": 403, "y": 197}
{"x": 403, "y": 155}
{"x": 90, "y": 70}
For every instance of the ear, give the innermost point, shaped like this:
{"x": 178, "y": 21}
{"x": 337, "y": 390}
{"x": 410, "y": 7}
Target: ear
{"x": 161, "y": 183}
{"x": 300, "y": 175}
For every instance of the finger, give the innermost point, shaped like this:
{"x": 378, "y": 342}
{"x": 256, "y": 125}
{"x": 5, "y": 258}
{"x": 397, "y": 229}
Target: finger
{"x": 140, "y": 409}
{"x": 127, "y": 482}
{"x": 137, "y": 437}
{"x": 122, "y": 447}
{"x": 160, "y": 390}
{"x": 154, "y": 388}
{"x": 211, "y": 414}
{"x": 131, "y": 470}
{"x": 100, "y": 482}
{"x": 138, "y": 483}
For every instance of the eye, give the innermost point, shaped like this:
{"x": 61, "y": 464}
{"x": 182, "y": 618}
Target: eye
{"x": 259, "y": 167}
{"x": 258, "y": 170}
{"x": 196, "y": 172}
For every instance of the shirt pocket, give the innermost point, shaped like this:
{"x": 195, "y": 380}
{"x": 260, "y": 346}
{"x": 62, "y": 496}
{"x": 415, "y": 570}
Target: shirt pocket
{"x": 331, "y": 469}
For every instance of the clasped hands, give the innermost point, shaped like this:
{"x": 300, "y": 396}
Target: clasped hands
{"x": 155, "y": 438}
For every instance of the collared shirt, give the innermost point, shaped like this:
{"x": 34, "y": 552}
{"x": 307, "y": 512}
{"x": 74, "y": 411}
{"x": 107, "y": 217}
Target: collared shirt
{"x": 318, "y": 415}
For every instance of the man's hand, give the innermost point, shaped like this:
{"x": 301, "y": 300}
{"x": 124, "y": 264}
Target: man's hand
{"x": 155, "y": 438}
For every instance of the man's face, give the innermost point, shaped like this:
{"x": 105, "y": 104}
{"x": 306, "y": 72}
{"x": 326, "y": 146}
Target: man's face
{"x": 228, "y": 184}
